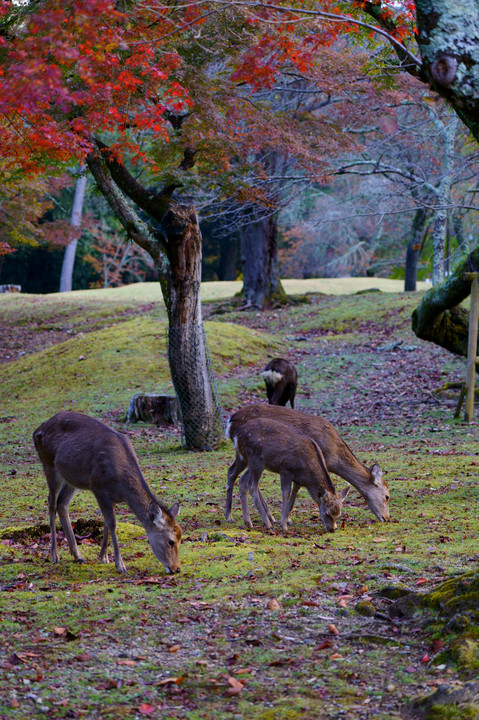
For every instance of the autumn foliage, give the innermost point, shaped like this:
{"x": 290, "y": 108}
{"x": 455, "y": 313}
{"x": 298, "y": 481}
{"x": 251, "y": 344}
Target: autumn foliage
{"x": 72, "y": 71}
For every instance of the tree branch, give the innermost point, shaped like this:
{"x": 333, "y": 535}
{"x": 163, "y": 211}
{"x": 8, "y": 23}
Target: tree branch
{"x": 141, "y": 233}
{"x": 439, "y": 316}
{"x": 155, "y": 204}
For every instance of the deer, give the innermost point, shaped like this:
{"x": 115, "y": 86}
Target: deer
{"x": 338, "y": 457}
{"x": 281, "y": 381}
{"x": 268, "y": 444}
{"x": 79, "y": 452}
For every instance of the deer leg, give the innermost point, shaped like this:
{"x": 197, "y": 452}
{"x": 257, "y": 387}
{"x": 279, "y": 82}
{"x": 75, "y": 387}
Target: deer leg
{"x": 292, "y": 498}
{"x": 104, "y": 545}
{"x": 254, "y": 476}
{"x": 108, "y": 513}
{"x": 54, "y": 487}
{"x": 52, "y": 511}
{"x": 285, "y": 492}
{"x": 243, "y": 492}
{"x": 64, "y": 499}
{"x": 233, "y": 471}
{"x": 264, "y": 504}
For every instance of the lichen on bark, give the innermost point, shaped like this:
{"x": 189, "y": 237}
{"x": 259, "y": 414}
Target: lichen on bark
{"x": 439, "y": 316}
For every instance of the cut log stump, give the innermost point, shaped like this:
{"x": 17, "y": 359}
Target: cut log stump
{"x": 158, "y": 409}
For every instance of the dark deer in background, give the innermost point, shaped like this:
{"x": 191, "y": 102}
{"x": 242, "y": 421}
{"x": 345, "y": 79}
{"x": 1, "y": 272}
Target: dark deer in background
{"x": 80, "y": 453}
{"x": 338, "y": 456}
{"x": 281, "y": 381}
{"x": 268, "y": 444}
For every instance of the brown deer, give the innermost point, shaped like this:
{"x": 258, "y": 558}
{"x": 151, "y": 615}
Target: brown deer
{"x": 281, "y": 381}
{"x": 80, "y": 453}
{"x": 338, "y": 456}
{"x": 272, "y": 445}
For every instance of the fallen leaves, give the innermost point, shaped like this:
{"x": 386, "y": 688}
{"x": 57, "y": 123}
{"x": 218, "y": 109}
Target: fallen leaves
{"x": 18, "y": 658}
{"x": 65, "y": 633}
{"x": 146, "y": 709}
{"x": 325, "y": 645}
{"x": 236, "y": 686}
{"x": 273, "y": 604}
{"x": 171, "y": 681}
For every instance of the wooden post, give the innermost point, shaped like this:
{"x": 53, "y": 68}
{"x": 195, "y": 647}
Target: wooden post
{"x": 472, "y": 359}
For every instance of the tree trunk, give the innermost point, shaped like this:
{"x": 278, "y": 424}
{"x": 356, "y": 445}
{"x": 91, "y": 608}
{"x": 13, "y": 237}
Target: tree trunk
{"x": 439, "y": 317}
{"x": 228, "y": 258}
{"x": 259, "y": 255}
{"x": 176, "y": 251}
{"x": 70, "y": 250}
{"x": 439, "y": 230}
{"x": 447, "y": 133}
{"x": 414, "y": 249}
{"x": 187, "y": 350}
{"x": 447, "y": 37}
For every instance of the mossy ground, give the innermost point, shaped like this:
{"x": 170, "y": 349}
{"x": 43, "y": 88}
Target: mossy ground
{"x": 80, "y": 641}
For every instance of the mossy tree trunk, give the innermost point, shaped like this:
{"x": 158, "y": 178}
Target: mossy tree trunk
{"x": 259, "y": 254}
{"x": 439, "y": 317}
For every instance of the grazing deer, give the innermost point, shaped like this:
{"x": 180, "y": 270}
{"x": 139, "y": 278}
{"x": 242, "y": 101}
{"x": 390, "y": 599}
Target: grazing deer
{"x": 278, "y": 447}
{"x": 338, "y": 457}
{"x": 80, "y": 453}
{"x": 281, "y": 381}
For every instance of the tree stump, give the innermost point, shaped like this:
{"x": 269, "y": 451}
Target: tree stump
{"x": 157, "y": 409}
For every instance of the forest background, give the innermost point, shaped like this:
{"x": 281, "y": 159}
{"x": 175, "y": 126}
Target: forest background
{"x": 350, "y": 161}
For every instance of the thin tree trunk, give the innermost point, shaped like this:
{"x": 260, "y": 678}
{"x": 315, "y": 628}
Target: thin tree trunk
{"x": 259, "y": 254}
{"x": 447, "y": 132}
{"x": 414, "y": 249}
{"x": 70, "y": 250}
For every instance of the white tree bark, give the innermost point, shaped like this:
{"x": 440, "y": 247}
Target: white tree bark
{"x": 70, "y": 250}
{"x": 447, "y": 133}
{"x": 448, "y": 37}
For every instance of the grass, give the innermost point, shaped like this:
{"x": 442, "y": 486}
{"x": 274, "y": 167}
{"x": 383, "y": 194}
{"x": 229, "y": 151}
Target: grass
{"x": 81, "y": 641}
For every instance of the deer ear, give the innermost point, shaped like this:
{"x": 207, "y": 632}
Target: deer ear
{"x": 376, "y": 474}
{"x": 156, "y": 514}
{"x": 343, "y": 494}
{"x": 174, "y": 510}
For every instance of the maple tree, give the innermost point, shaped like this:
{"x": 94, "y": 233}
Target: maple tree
{"x": 164, "y": 90}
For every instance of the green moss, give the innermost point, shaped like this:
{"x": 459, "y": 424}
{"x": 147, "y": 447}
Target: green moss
{"x": 455, "y": 595}
{"x": 365, "y": 608}
{"x": 465, "y": 651}
{"x": 447, "y": 712}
